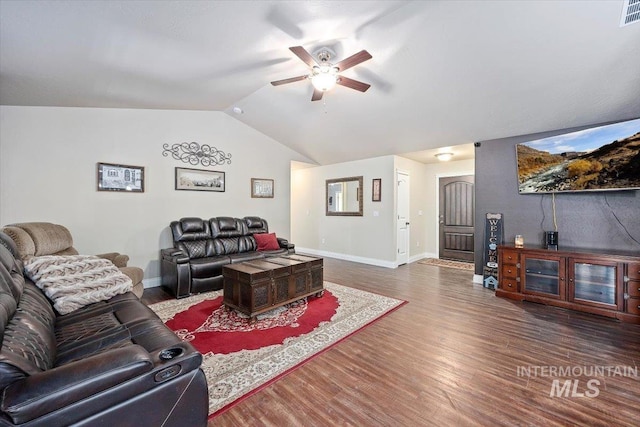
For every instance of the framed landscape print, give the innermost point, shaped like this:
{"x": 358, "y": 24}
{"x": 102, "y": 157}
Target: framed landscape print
{"x": 199, "y": 180}
{"x": 261, "y": 188}
{"x": 112, "y": 177}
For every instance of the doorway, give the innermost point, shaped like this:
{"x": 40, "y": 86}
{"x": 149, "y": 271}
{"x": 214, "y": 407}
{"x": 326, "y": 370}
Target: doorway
{"x": 402, "y": 223}
{"x": 455, "y": 218}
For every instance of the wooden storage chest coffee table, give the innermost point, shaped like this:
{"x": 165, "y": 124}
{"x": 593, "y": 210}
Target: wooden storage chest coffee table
{"x": 254, "y": 287}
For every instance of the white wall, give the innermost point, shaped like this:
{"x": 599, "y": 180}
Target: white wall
{"x": 48, "y": 158}
{"x": 369, "y": 239}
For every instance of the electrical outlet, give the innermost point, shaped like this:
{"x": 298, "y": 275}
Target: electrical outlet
{"x": 323, "y": 241}
{"x": 417, "y": 243}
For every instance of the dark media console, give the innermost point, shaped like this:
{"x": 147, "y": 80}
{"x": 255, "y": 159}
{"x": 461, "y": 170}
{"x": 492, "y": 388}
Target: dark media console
{"x": 606, "y": 283}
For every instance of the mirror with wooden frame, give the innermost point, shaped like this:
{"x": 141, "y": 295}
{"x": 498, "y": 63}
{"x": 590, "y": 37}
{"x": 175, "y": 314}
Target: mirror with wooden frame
{"x": 344, "y": 196}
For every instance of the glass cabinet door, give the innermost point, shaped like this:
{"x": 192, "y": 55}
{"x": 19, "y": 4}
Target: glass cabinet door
{"x": 593, "y": 283}
{"x": 543, "y": 275}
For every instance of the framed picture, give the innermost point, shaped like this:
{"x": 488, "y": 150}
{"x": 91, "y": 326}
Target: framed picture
{"x": 199, "y": 180}
{"x": 262, "y": 188}
{"x": 120, "y": 178}
{"x": 376, "y": 190}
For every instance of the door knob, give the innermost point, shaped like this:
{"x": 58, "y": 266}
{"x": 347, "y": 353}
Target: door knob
{"x": 406, "y": 223}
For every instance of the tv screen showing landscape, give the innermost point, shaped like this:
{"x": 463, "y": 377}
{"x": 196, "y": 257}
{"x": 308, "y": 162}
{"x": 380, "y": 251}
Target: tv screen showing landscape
{"x": 595, "y": 159}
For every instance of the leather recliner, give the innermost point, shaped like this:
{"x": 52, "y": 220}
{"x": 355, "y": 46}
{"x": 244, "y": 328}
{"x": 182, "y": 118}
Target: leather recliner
{"x": 109, "y": 363}
{"x": 202, "y": 248}
{"x": 45, "y": 238}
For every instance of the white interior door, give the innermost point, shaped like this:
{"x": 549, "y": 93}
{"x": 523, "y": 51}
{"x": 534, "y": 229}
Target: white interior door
{"x": 402, "y": 179}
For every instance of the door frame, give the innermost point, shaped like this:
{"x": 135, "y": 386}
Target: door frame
{"x": 437, "y": 204}
{"x": 395, "y": 216}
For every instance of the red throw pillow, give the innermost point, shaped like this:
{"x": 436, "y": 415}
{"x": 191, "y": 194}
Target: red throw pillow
{"x": 266, "y": 242}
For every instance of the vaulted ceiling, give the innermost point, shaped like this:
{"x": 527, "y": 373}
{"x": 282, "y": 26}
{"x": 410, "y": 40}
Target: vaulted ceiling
{"x": 443, "y": 73}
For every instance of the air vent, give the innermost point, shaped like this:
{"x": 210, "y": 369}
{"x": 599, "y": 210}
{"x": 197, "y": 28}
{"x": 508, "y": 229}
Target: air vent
{"x": 630, "y": 12}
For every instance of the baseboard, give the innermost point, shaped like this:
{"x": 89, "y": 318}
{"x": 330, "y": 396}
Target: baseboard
{"x": 422, "y": 256}
{"x": 347, "y": 257}
{"x": 152, "y": 282}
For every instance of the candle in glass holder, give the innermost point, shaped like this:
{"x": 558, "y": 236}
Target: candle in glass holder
{"x": 519, "y": 241}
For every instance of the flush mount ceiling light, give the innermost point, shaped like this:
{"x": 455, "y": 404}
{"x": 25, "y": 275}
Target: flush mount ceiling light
{"x": 444, "y": 157}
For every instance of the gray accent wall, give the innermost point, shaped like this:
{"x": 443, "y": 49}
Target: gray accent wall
{"x": 593, "y": 220}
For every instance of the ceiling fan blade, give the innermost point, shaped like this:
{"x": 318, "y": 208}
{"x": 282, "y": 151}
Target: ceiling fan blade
{"x": 353, "y": 60}
{"x": 317, "y": 95}
{"x": 304, "y": 55}
{"x": 353, "y": 84}
{"x": 290, "y": 80}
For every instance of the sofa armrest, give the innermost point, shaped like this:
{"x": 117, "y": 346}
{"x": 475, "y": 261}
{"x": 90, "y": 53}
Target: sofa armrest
{"x": 118, "y": 259}
{"x": 175, "y": 272}
{"x": 59, "y": 387}
{"x": 284, "y": 243}
{"x": 174, "y": 255}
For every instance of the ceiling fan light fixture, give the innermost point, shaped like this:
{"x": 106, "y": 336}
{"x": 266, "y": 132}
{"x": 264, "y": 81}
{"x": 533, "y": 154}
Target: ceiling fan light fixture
{"x": 324, "y": 75}
{"x": 444, "y": 157}
{"x": 324, "y": 81}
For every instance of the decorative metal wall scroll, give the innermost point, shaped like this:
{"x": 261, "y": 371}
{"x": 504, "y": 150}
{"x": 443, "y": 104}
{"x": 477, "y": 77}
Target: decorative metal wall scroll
{"x": 194, "y": 153}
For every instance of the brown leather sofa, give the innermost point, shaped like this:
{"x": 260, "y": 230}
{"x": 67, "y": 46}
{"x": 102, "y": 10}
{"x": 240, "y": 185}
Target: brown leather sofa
{"x": 109, "y": 363}
{"x": 203, "y": 247}
{"x": 45, "y": 238}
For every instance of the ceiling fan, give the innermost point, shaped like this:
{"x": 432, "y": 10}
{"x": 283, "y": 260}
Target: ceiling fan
{"x": 325, "y": 75}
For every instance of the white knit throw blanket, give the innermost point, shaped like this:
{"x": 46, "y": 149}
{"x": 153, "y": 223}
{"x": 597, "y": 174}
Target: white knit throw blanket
{"x": 75, "y": 281}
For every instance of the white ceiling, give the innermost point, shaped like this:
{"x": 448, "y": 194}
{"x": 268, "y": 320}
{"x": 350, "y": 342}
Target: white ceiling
{"x": 443, "y": 73}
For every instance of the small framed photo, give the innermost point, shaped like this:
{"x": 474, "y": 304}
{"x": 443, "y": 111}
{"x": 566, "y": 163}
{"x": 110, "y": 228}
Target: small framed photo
{"x": 261, "y": 188}
{"x": 113, "y": 177}
{"x": 199, "y": 180}
{"x": 376, "y": 190}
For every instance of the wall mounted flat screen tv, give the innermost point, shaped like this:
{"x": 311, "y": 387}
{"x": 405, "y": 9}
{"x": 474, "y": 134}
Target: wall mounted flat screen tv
{"x": 594, "y": 159}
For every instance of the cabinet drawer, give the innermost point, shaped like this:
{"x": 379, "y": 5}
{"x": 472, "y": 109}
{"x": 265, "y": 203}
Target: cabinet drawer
{"x": 509, "y": 257}
{"x": 509, "y": 284}
{"x": 509, "y": 271}
{"x": 634, "y": 271}
{"x": 634, "y": 288}
{"x": 633, "y": 306}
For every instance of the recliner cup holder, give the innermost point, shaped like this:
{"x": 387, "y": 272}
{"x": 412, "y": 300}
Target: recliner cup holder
{"x": 170, "y": 353}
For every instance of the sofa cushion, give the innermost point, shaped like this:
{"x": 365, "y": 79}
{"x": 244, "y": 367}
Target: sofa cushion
{"x": 278, "y": 252}
{"x": 224, "y": 226}
{"x": 227, "y": 223}
{"x": 208, "y": 267}
{"x": 197, "y": 248}
{"x": 256, "y": 225}
{"x": 267, "y": 241}
{"x": 24, "y": 242}
{"x": 227, "y": 245}
{"x": 245, "y": 256}
{"x": 27, "y": 343}
{"x": 12, "y": 273}
{"x": 190, "y": 229}
{"x": 49, "y": 239}
{"x": 193, "y": 225}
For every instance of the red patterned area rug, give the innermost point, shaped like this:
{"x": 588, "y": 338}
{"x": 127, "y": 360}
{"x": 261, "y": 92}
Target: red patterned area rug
{"x": 240, "y": 357}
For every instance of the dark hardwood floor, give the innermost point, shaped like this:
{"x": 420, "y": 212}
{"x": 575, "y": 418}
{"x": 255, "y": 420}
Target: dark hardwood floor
{"x": 450, "y": 358}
